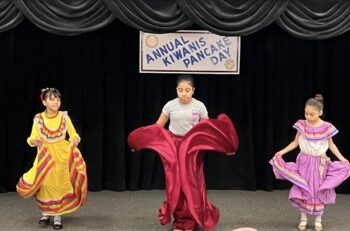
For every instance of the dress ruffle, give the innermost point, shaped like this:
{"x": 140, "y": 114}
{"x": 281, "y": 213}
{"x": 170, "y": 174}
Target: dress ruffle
{"x": 30, "y": 183}
{"x": 325, "y": 131}
{"x": 49, "y": 134}
{"x": 314, "y": 179}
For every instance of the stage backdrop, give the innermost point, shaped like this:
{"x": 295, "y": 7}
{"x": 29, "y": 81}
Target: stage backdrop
{"x": 106, "y": 97}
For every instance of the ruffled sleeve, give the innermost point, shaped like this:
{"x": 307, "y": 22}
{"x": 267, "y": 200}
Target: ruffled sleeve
{"x": 323, "y": 132}
{"x": 35, "y": 133}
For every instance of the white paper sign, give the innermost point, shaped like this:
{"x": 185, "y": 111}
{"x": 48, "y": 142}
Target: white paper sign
{"x": 194, "y": 52}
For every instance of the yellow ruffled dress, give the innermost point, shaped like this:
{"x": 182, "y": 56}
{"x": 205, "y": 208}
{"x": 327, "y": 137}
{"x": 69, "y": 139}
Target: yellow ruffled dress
{"x": 58, "y": 177}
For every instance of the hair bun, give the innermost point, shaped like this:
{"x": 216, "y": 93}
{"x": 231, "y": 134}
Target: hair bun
{"x": 319, "y": 97}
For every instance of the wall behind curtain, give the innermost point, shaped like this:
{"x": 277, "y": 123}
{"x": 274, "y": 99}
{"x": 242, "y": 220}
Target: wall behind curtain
{"x": 106, "y": 97}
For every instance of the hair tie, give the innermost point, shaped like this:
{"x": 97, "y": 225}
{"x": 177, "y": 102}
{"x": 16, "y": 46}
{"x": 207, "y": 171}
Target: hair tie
{"x": 43, "y": 91}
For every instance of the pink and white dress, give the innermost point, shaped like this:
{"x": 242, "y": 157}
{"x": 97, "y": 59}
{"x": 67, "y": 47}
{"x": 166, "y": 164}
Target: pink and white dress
{"x": 314, "y": 175}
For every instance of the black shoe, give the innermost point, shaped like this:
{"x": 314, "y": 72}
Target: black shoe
{"x": 44, "y": 221}
{"x": 57, "y": 225}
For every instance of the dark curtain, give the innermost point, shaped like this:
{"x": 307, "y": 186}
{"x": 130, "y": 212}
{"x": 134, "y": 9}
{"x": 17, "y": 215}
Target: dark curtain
{"x": 306, "y": 19}
{"x": 313, "y": 19}
{"x": 10, "y": 16}
{"x": 106, "y": 97}
{"x": 238, "y": 17}
{"x": 66, "y": 17}
{"x": 150, "y": 15}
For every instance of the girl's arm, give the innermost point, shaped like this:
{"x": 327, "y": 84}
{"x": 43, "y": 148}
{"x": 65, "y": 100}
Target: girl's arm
{"x": 290, "y": 146}
{"x": 162, "y": 120}
{"x": 34, "y": 138}
{"x": 336, "y": 151}
{"x": 205, "y": 117}
{"x": 74, "y": 137}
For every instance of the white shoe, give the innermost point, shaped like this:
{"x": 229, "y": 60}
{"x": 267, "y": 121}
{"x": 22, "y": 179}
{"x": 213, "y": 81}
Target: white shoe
{"x": 318, "y": 226}
{"x": 302, "y": 225}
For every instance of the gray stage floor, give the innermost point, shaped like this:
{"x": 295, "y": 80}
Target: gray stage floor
{"x": 137, "y": 210}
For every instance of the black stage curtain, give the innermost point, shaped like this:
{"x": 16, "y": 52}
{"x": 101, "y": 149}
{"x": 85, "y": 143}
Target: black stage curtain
{"x": 150, "y": 15}
{"x": 314, "y": 19}
{"x": 306, "y": 19}
{"x": 237, "y": 17}
{"x": 106, "y": 97}
{"x": 10, "y": 16}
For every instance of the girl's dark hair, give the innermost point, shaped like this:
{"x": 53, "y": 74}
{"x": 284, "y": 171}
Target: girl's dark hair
{"x": 187, "y": 78}
{"x": 316, "y": 102}
{"x": 48, "y": 92}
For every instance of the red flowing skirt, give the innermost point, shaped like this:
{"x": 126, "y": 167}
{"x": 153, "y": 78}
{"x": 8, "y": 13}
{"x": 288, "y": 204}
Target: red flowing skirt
{"x": 183, "y": 163}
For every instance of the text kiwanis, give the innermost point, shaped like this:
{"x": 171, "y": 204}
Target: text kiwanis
{"x": 191, "y": 52}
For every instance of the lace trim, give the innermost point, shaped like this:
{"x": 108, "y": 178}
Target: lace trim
{"x": 47, "y": 133}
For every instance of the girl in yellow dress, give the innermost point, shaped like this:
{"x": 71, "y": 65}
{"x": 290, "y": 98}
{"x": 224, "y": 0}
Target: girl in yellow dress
{"x": 58, "y": 177}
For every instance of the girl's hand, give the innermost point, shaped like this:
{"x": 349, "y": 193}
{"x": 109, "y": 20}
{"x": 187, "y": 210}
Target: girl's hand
{"x": 75, "y": 142}
{"x": 344, "y": 160}
{"x": 36, "y": 142}
{"x": 279, "y": 154}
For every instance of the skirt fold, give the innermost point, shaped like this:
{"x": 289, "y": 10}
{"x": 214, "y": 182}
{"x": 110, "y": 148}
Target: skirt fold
{"x": 314, "y": 179}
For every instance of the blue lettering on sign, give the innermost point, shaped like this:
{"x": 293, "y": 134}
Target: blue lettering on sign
{"x": 166, "y": 49}
{"x": 225, "y": 54}
{"x": 191, "y": 52}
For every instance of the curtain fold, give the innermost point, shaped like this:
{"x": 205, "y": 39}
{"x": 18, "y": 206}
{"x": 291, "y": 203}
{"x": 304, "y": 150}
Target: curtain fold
{"x": 305, "y": 19}
{"x": 316, "y": 20}
{"x": 66, "y": 17}
{"x": 233, "y": 17}
{"x": 10, "y": 16}
{"x": 150, "y": 15}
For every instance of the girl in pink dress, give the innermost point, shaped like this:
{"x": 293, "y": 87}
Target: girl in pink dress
{"x": 314, "y": 175}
